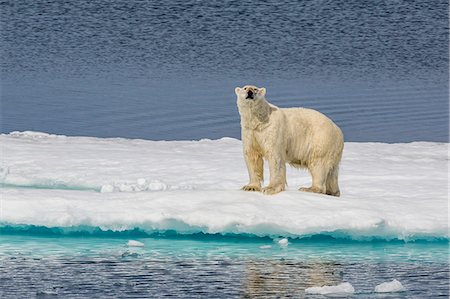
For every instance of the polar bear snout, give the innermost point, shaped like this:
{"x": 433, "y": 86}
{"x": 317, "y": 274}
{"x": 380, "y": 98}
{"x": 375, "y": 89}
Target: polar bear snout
{"x": 250, "y": 94}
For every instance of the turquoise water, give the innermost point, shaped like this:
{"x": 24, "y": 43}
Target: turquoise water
{"x": 215, "y": 267}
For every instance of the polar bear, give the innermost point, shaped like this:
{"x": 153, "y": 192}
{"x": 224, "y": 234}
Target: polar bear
{"x": 302, "y": 137}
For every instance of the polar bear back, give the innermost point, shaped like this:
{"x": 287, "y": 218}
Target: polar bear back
{"x": 312, "y": 138}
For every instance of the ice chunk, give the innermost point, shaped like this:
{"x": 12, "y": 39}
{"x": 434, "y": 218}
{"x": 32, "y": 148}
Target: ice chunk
{"x": 341, "y": 289}
{"x": 283, "y": 242}
{"x": 142, "y": 182}
{"x": 107, "y": 189}
{"x": 125, "y": 188}
{"x": 391, "y": 286}
{"x": 156, "y": 185}
{"x": 133, "y": 243}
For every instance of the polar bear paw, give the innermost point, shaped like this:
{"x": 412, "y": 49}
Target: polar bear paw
{"x": 270, "y": 190}
{"x": 253, "y": 188}
{"x": 312, "y": 189}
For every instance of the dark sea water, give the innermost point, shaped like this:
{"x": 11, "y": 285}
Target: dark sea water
{"x": 167, "y": 69}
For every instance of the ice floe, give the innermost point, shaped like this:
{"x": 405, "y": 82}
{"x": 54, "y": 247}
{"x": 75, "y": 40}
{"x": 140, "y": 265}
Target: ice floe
{"x": 389, "y": 191}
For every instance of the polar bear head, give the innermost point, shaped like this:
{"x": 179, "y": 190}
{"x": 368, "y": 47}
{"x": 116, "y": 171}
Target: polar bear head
{"x": 253, "y": 107}
{"x": 250, "y": 93}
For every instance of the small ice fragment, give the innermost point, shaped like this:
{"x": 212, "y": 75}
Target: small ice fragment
{"x": 141, "y": 182}
{"x": 265, "y": 246}
{"x": 133, "y": 243}
{"x": 343, "y": 288}
{"x": 391, "y": 286}
{"x": 283, "y": 242}
{"x": 125, "y": 188}
{"x": 156, "y": 185}
{"x": 107, "y": 189}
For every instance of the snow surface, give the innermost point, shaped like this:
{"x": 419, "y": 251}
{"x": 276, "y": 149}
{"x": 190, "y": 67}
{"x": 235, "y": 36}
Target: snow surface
{"x": 341, "y": 289}
{"x": 388, "y": 190}
{"x": 390, "y": 287}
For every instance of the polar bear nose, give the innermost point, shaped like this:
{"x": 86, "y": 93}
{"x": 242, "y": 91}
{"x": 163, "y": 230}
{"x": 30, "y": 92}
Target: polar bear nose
{"x": 250, "y": 94}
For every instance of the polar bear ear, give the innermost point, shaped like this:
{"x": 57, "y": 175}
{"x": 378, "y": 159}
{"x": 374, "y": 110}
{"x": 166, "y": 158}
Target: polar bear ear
{"x": 237, "y": 90}
{"x": 262, "y": 91}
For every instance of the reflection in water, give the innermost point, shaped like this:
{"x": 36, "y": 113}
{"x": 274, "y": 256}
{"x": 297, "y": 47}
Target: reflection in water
{"x": 287, "y": 278}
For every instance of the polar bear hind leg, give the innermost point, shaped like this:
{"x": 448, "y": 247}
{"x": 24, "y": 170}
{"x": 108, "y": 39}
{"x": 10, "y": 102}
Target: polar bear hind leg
{"x": 332, "y": 182}
{"x": 324, "y": 180}
{"x": 319, "y": 176}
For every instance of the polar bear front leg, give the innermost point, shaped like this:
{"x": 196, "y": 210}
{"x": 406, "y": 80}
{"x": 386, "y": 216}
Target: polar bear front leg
{"x": 277, "y": 167}
{"x": 255, "y": 165}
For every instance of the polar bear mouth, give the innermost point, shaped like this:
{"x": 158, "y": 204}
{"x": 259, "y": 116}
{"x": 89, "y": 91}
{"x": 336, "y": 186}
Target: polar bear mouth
{"x": 250, "y": 95}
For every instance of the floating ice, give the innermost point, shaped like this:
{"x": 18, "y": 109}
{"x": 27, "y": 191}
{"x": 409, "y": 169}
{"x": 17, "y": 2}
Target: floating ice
{"x": 193, "y": 186}
{"x": 390, "y": 287}
{"x": 283, "y": 242}
{"x": 341, "y": 289}
{"x": 133, "y": 243}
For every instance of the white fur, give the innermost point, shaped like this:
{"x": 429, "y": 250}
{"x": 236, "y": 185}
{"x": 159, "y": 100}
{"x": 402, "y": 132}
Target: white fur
{"x": 302, "y": 137}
